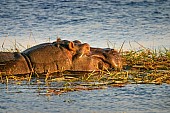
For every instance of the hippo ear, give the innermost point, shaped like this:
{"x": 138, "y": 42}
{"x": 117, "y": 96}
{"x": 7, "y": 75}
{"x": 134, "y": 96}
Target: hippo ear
{"x": 77, "y": 42}
{"x": 71, "y": 46}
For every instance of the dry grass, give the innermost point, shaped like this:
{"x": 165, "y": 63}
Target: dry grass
{"x": 148, "y": 66}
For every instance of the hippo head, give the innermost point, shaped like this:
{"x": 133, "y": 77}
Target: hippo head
{"x": 64, "y": 43}
{"x": 82, "y": 60}
{"x": 81, "y": 49}
{"x": 76, "y": 47}
{"x": 108, "y": 56}
{"x": 88, "y": 58}
{"x": 114, "y": 58}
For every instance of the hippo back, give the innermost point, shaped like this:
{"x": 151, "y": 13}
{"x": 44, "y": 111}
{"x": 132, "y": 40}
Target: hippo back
{"x": 50, "y": 58}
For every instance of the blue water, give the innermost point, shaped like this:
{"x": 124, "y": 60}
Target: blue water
{"x": 101, "y": 23}
{"x": 97, "y": 22}
{"x": 132, "y": 98}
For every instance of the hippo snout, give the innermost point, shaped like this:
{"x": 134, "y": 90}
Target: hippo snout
{"x": 116, "y": 63}
{"x": 108, "y": 56}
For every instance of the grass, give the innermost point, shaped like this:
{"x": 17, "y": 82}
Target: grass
{"x": 144, "y": 66}
{"x": 148, "y": 66}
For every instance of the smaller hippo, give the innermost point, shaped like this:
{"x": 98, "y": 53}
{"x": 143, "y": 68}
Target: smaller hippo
{"x": 89, "y": 59}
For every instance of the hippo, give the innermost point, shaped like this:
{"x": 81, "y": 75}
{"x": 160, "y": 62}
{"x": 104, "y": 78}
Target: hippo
{"x": 96, "y": 59}
{"x": 59, "y": 56}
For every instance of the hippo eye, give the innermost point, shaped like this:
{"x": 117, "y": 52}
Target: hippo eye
{"x": 117, "y": 58}
{"x": 87, "y": 48}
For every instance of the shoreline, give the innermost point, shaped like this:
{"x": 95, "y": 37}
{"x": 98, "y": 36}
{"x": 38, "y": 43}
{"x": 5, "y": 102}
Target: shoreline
{"x": 11, "y": 42}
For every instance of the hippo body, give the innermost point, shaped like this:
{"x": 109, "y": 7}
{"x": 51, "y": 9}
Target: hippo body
{"x": 59, "y": 56}
{"x": 49, "y": 58}
{"x": 13, "y": 63}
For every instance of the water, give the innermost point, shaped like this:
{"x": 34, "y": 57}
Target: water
{"x": 98, "y": 22}
{"x": 132, "y": 98}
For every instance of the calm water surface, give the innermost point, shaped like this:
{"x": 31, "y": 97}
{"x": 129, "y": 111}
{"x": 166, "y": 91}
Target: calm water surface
{"x": 129, "y": 99}
{"x": 96, "y": 22}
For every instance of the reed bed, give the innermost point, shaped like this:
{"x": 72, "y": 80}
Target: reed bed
{"x": 144, "y": 66}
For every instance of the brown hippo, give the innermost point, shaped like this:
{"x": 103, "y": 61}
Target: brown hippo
{"x": 51, "y": 57}
{"x": 89, "y": 59}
